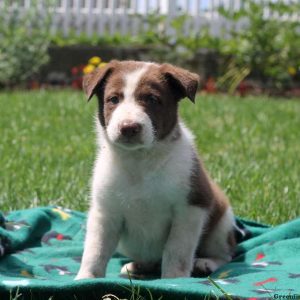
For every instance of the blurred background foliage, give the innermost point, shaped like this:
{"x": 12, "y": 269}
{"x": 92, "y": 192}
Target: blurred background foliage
{"x": 266, "y": 47}
{"x": 24, "y": 41}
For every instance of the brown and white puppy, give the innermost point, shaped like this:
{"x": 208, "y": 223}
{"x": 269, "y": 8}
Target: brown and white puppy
{"x": 152, "y": 200}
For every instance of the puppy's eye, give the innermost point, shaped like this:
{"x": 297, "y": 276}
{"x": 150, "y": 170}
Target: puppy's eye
{"x": 151, "y": 99}
{"x": 114, "y": 100}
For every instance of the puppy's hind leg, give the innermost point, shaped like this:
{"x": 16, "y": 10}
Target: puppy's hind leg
{"x": 217, "y": 247}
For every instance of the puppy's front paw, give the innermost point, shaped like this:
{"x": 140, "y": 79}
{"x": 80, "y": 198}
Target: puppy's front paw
{"x": 206, "y": 266}
{"x": 140, "y": 270}
{"x": 84, "y": 275}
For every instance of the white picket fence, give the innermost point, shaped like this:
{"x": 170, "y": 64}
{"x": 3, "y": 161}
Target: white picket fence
{"x": 129, "y": 16}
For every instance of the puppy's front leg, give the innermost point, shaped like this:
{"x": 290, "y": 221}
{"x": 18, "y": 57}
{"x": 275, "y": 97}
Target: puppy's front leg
{"x": 102, "y": 236}
{"x": 186, "y": 229}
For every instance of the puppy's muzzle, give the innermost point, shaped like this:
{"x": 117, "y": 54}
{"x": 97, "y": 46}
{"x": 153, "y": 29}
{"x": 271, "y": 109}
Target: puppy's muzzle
{"x": 130, "y": 131}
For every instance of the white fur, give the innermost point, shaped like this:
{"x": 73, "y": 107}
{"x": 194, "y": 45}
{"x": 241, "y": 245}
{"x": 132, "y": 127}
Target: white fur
{"x": 216, "y": 249}
{"x": 131, "y": 81}
{"x": 139, "y": 200}
{"x": 217, "y": 246}
{"x": 128, "y": 110}
{"x": 139, "y": 206}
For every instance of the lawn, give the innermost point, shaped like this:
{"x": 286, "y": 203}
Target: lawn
{"x": 250, "y": 146}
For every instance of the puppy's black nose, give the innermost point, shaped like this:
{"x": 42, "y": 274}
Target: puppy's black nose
{"x": 130, "y": 129}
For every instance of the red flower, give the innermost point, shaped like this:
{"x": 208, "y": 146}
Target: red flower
{"x": 210, "y": 85}
{"x": 75, "y": 70}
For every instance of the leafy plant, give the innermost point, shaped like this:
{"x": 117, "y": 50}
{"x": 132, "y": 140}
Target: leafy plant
{"x": 59, "y": 39}
{"x": 263, "y": 42}
{"x": 180, "y": 42}
{"x": 24, "y": 42}
{"x": 265, "y": 45}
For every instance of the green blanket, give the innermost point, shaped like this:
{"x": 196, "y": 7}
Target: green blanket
{"x": 40, "y": 252}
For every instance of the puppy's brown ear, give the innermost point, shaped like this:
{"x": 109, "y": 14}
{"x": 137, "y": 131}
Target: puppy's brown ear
{"x": 96, "y": 78}
{"x": 185, "y": 83}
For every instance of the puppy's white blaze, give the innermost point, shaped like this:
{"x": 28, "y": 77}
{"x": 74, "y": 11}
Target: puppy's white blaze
{"x": 131, "y": 81}
{"x": 129, "y": 110}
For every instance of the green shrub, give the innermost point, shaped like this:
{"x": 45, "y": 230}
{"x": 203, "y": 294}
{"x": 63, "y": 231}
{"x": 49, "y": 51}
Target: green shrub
{"x": 266, "y": 47}
{"x": 181, "y": 44}
{"x": 24, "y": 43}
{"x": 178, "y": 48}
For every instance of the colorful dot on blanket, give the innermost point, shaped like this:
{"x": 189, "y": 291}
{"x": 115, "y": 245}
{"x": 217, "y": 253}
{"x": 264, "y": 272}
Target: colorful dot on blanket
{"x": 294, "y": 275}
{"x": 221, "y": 281}
{"x": 262, "y": 264}
{"x": 64, "y": 215}
{"x": 262, "y": 291}
{"x": 260, "y": 283}
{"x": 60, "y": 237}
{"x": 61, "y": 270}
{"x": 16, "y": 225}
{"x": 25, "y": 273}
{"x": 224, "y": 274}
{"x": 260, "y": 256}
{"x": 54, "y": 235}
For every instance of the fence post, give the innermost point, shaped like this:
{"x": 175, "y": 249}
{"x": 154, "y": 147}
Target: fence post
{"x": 135, "y": 21}
{"x": 27, "y": 4}
{"x": 66, "y": 16}
{"x": 124, "y": 19}
{"x": 112, "y": 20}
{"x": 147, "y": 12}
{"x": 98, "y": 16}
{"x": 78, "y": 16}
{"x": 171, "y": 11}
{"x": 187, "y": 10}
{"x": 197, "y": 17}
{"x": 89, "y": 18}
{"x": 218, "y": 20}
{"x": 101, "y": 17}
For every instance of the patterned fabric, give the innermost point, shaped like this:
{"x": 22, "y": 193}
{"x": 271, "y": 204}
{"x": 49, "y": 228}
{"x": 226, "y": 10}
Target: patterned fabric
{"x": 40, "y": 253}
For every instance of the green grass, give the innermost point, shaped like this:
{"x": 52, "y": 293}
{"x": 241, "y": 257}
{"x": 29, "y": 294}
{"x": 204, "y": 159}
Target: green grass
{"x": 250, "y": 146}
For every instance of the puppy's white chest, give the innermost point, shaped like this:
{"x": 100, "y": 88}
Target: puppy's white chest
{"x": 146, "y": 207}
{"x": 149, "y": 197}
{"x": 147, "y": 216}
{"x": 143, "y": 192}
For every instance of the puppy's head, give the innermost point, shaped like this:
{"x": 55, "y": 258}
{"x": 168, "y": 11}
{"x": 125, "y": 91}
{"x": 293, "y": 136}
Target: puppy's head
{"x": 138, "y": 100}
